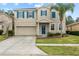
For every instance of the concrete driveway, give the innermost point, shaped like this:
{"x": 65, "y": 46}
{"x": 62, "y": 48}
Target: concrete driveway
{"x": 20, "y": 45}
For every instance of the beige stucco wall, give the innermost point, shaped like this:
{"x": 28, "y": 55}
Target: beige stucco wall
{"x": 39, "y": 17}
{"x": 25, "y": 26}
{"x": 50, "y": 20}
{"x": 25, "y": 21}
{"x": 34, "y": 22}
{"x": 0, "y": 26}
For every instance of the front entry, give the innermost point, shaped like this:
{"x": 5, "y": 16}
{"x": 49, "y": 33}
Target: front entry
{"x": 43, "y": 29}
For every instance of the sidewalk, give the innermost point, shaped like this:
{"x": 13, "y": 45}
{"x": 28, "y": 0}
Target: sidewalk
{"x": 57, "y": 44}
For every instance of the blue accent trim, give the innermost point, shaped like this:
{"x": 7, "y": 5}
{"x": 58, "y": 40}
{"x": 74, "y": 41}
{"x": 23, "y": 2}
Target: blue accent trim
{"x": 41, "y": 12}
{"x": 46, "y": 13}
{"x": 17, "y": 14}
{"x": 27, "y": 14}
{"x": 23, "y": 14}
{"x": 33, "y": 14}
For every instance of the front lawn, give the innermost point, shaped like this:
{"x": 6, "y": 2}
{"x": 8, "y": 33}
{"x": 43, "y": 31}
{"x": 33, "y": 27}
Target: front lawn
{"x": 70, "y": 39}
{"x": 60, "y": 50}
{"x": 2, "y": 37}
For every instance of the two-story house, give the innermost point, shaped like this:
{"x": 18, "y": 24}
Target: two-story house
{"x": 37, "y": 21}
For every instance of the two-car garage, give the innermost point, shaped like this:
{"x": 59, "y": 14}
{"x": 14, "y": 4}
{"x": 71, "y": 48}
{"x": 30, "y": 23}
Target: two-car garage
{"x": 25, "y": 30}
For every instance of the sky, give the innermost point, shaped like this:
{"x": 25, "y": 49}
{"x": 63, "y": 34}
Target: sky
{"x": 11, "y": 6}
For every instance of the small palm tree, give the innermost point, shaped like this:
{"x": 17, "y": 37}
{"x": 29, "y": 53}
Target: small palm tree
{"x": 11, "y": 15}
{"x": 62, "y": 8}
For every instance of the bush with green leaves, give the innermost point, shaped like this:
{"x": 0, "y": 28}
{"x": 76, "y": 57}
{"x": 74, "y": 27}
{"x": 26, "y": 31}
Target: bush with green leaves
{"x": 10, "y": 33}
{"x": 73, "y": 32}
{"x": 1, "y": 31}
{"x": 53, "y": 34}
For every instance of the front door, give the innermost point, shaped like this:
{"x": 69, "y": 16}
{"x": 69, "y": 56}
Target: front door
{"x": 43, "y": 29}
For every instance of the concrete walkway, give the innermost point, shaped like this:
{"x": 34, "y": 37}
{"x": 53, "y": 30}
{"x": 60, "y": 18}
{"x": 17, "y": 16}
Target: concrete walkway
{"x": 20, "y": 45}
{"x": 57, "y": 44}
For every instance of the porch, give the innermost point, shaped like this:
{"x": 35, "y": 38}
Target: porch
{"x": 43, "y": 29}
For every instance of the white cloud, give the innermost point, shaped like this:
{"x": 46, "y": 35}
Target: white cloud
{"x": 8, "y": 8}
{"x": 38, "y": 5}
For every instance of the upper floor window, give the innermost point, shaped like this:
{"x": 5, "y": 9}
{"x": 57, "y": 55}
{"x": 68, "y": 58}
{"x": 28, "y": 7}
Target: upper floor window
{"x": 43, "y": 12}
{"x": 52, "y": 26}
{"x": 20, "y": 14}
{"x": 53, "y": 14}
{"x": 30, "y": 14}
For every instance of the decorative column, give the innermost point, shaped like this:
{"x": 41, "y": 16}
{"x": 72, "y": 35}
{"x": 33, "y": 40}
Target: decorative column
{"x": 37, "y": 28}
{"x": 49, "y": 27}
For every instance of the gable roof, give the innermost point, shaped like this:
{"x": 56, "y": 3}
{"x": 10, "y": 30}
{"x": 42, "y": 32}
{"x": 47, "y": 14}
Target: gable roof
{"x": 24, "y": 9}
{"x": 73, "y": 24}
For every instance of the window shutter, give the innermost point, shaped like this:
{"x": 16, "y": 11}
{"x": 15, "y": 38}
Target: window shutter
{"x": 45, "y": 13}
{"x": 23, "y": 14}
{"x": 41, "y": 12}
{"x": 27, "y": 14}
{"x": 17, "y": 14}
{"x": 33, "y": 14}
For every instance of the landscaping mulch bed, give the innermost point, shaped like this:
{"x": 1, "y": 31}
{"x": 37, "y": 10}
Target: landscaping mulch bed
{"x": 51, "y": 37}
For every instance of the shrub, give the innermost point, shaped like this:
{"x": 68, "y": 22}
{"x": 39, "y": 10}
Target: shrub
{"x": 10, "y": 33}
{"x": 1, "y": 31}
{"x": 73, "y": 32}
{"x": 53, "y": 34}
{"x": 65, "y": 35}
{"x": 49, "y": 34}
{"x": 57, "y": 34}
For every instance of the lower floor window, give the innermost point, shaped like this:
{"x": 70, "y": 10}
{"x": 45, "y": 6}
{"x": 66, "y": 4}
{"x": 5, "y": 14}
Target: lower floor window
{"x": 52, "y": 26}
{"x": 60, "y": 26}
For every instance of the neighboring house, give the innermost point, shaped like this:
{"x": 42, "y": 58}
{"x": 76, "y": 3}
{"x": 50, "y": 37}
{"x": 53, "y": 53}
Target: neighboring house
{"x": 37, "y": 21}
{"x": 73, "y": 27}
{"x": 77, "y": 20}
{"x": 5, "y": 19}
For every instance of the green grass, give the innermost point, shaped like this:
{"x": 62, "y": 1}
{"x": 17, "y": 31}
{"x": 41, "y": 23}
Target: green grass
{"x": 61, "y": 50}
{"x": 2, "y": 37}
{"x": 70, "y": 39}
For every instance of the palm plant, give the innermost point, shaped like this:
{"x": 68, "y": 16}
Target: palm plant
{"x": 11, "y": 15}
{"x": 62, "y": 8}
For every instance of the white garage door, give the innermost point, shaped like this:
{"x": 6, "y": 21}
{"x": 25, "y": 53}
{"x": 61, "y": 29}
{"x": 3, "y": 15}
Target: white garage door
{"x": 25, "y": 30}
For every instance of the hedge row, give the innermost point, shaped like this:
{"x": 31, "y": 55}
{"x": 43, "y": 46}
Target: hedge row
{"x": 73, "y": 32}
{"x": 1, "y": 31}
{"x": 52, "y": 34}
{"x": 10, "y": 32}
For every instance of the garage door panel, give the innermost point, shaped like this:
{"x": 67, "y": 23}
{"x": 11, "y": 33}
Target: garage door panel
{"x": 25, "y": 30}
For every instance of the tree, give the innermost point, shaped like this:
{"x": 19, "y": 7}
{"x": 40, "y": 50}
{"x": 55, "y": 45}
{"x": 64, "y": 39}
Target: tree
{"x": 7, "y": 23}
{"x": 62, "y": 8}
{"x": 69, "y": 20}
{"x": 77, "y": 19}
{"x": 11, "y": 15}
